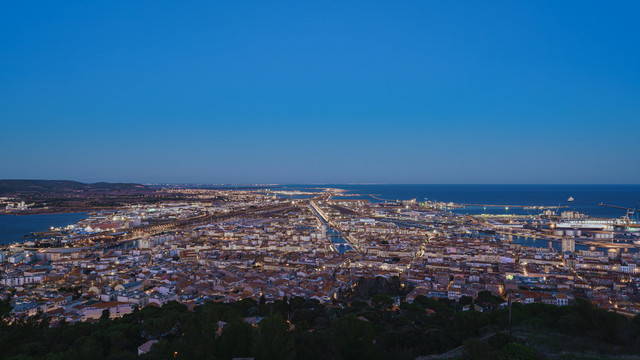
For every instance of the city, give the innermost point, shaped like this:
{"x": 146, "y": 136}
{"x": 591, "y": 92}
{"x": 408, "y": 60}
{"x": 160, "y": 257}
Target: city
{"x": 228, "y": 245}
{"x": 284, "y": 180}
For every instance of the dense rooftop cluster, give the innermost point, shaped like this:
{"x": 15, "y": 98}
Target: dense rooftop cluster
{"x": 252, "y": 244}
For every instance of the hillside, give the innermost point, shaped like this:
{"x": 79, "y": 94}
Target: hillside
{"x": 63, "y": 186}
{"x": 300, "y": 328}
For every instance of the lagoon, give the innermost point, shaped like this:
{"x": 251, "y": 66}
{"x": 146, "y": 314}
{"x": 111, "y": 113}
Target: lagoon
{"x": 14, "y": 227}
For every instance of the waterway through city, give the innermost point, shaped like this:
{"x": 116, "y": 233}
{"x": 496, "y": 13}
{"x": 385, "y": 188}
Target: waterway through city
{"x": 334, "y": 236}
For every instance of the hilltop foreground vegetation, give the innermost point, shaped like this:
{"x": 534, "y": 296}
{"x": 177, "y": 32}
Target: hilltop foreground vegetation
{"x": 300, "y": 328}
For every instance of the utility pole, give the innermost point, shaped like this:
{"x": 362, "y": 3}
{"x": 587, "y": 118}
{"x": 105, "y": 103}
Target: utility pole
{"x": 509, "y": 297}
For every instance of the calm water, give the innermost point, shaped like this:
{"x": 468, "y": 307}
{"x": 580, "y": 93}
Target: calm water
{"x": 542, "y": 243}
{"x": 587, "y": 197}
{"x": 13, "y": 228}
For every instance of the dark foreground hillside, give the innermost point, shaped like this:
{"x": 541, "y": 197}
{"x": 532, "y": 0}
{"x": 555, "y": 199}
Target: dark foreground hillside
{"x": 305, "y": 329}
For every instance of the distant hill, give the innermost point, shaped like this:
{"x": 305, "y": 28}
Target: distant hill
{"x": 62, "y": 186}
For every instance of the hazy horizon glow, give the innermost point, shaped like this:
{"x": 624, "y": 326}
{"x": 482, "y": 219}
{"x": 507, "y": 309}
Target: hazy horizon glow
{"x": 418, "y": 93}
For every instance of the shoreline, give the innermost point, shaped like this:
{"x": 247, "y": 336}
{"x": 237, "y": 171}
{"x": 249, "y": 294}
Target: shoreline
{"x": 54, "y": 211}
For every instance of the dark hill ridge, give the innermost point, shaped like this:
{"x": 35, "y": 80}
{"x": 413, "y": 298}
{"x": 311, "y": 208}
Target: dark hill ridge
{"x": 63, "y": 186}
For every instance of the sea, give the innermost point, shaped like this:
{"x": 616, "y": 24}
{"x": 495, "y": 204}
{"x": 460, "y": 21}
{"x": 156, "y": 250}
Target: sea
{"x": 14, "y": 227}
{"x": 586, "y": 197}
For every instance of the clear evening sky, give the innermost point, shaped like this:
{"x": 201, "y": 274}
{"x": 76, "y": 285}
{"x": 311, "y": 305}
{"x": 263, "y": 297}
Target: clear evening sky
{"x": 302, "y": 92}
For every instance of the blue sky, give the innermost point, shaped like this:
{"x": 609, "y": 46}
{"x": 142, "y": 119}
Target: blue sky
{"x": 310, "y": 92}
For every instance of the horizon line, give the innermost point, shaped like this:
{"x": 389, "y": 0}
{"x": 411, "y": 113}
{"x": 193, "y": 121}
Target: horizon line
{"x": 319, "y": 183}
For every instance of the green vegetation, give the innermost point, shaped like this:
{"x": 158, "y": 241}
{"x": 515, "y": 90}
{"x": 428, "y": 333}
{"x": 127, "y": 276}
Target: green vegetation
{"x": 305, "y": 329}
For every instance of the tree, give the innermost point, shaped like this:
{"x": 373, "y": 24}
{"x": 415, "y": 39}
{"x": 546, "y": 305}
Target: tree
{"x": 354, "y": 337}
{"x": 465, "y": 300}
{"x": 381, "y": 301}
{"x": 5, "y": 309}
{"x": 262, "y": 303}
{"x": 273, "y": 339}
{"x": 517, "y": 351}
{"x": 487, "y": 298}
{"x": 477, "y": 349}
{"x": 236, "y": 340}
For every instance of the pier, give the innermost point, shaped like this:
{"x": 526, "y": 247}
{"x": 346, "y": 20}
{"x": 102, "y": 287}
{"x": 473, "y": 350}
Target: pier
{"x": 518, "y": 206}
{"x": 381, "y": 199}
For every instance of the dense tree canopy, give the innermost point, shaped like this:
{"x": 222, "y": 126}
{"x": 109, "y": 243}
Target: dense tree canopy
{"x": 300, "y": 328}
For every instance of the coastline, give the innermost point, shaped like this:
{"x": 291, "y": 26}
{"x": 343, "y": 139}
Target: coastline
{"x": 18, "y": 229}
{"x": 56, "y": 211}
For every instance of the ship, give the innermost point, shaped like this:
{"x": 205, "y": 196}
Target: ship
{"x": 570, "y": 199}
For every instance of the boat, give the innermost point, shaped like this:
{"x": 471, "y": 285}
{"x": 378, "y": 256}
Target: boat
{"x": 570, "y": 199}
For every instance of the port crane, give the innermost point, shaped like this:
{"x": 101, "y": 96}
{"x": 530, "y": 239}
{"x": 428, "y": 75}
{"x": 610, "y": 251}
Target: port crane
{"x": 631, "y": 212}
